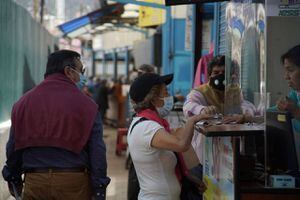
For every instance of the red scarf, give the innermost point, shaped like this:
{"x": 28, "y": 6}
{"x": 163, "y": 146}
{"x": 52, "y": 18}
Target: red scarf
{"x": 180, "y": 169}
{"x": 53, "y": 114}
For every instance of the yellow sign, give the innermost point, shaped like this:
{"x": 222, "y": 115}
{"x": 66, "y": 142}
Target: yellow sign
{"x": 281, "y": 118}
{"x": 214, "y": 191}
{"x": 149, "y": 16}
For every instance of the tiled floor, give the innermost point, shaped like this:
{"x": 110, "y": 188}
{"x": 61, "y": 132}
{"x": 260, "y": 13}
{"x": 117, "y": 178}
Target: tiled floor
{"x": 117, "y": 189}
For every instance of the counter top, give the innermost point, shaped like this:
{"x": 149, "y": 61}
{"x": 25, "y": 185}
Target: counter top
{"x": 230, "y": 129}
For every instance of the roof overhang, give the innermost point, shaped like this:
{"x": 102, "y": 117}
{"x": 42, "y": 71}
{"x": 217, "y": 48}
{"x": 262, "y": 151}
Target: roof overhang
{"x": 82, "y": 24}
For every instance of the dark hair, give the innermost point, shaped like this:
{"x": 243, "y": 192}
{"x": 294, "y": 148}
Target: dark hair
{"x": 293, "y": 55}
{"x": 58, "y": 60}
{"x": 146, "y": 102}
{"x": 216, "y": 61}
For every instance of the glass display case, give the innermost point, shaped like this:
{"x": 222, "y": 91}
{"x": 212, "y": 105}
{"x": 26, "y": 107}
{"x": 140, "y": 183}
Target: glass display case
{"x": 258, "y": 158}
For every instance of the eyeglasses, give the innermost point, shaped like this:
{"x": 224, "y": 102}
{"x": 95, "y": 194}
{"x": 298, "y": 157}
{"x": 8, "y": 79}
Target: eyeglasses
{"x": 81, "y": 71}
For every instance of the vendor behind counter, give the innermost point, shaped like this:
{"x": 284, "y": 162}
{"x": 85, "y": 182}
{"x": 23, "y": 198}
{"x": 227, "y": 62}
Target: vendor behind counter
{"x": 209, "y": 98}
{"x": 290, "y": 104}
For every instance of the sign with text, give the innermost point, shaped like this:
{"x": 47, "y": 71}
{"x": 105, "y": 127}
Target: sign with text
{"x": 188, "y": 28}
{"x": 283, "y": 8}
{"x": 149, "y": 16}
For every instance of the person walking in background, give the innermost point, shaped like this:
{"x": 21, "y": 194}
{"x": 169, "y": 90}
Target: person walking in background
{"x": 56, "y": 138}
{"x": 96, "y": 88}
{"x": 151, "y": 142}
{"x": 118, "y": 93}
{"x": 102, "y": 99}
{"x": 89, "y": 88}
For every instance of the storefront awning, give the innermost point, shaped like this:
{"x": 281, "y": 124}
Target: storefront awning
{"x": 95, "y": 17}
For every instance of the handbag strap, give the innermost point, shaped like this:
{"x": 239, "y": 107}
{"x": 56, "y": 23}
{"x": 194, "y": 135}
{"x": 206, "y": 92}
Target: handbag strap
{"x": 138, "y": 121}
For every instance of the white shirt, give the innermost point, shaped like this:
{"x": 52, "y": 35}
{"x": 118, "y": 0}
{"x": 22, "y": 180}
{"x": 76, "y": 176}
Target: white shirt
{"x": 155, "y": 168}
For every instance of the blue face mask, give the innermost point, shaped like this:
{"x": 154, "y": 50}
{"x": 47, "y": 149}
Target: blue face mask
{"x": 167, "y": 107}
{"x": 82, "y": 81}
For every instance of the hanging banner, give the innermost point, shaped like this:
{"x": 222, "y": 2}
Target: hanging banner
{"x": 149, "y": 16}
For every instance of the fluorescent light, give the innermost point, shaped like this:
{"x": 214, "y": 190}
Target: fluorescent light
{"x": 108, "y": 25}
{"x": 100, "y": 28}
{"x": 130, "y": 14}
{"x": 5, "y": 124}
{"x": 77, "y": 32}
{"x": 130, "y": 7}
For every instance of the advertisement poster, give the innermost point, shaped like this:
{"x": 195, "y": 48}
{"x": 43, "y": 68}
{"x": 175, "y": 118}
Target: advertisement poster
{"x": 264, "y": 98}
{"x": 245, "y": 57}
{"x": 234, "y": 35}
{"x": 218, "y": 168}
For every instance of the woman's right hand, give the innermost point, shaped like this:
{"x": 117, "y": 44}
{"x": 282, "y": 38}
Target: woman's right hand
{"x": 281, "y": 103}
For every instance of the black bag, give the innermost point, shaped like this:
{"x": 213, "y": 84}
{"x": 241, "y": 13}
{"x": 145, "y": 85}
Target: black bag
{"x": 133, "y": 187}
{"x": 189, "y": 187}
{"x": 189, "y": 190}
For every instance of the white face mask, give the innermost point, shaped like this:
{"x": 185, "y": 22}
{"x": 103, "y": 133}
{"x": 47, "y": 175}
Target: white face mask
{"x": 167, "y": 107}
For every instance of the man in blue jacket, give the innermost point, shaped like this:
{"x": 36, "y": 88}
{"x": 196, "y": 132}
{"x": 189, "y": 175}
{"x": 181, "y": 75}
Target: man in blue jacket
{"x": 56, "y": 137}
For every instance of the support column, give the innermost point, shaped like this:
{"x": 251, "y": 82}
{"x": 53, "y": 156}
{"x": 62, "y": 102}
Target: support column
{"x": 115, "y": 62}
{"x": 93, "y": 63}
{"x": 104, "y": 72}
{"x": 127, "y": 62}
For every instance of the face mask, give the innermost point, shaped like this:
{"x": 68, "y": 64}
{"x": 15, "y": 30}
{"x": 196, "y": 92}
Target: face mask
{"x": 167, "y": 107}
{"x": 82, "y": 81}
{"x": 218, "y": 82}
